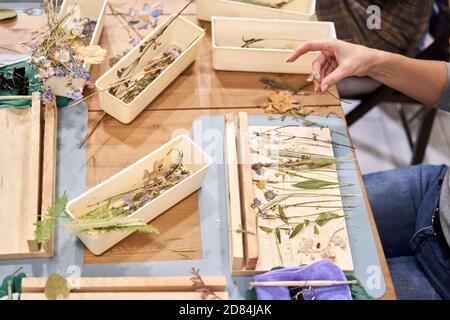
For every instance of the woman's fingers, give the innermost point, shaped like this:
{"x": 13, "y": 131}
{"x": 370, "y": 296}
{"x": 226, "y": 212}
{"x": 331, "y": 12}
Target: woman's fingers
{"x": 308, "y": 46}
{"x": 318, "y": 65}
{"x": 334, "y": 77}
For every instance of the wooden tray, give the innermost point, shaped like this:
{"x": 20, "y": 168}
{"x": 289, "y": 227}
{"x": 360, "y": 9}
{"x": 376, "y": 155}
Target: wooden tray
{"x": 123, "y": 288}
{"x": 27, "y": 176}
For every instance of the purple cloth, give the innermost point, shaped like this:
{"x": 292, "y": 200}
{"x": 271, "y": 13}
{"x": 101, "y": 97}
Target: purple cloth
{"x": 322, "y": 270}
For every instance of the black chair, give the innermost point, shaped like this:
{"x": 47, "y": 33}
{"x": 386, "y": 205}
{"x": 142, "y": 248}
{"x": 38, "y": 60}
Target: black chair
{"x": 438, "y": 50}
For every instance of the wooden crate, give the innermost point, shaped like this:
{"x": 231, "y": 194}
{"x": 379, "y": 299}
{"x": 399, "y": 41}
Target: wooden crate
{"x": 27, "y": 176}
{"x": 128, "y": 288}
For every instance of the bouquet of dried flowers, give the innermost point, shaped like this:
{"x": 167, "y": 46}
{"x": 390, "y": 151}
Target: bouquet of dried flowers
{"x": 61, "y": 49}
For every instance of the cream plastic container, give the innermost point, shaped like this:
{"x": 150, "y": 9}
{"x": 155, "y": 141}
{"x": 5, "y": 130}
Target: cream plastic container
{"x": 94, "y": 10}
{"x": 181, "y": 32}
{"x": 270, "y": 55}
{"x": 193, "y": 158}
{"x": 296, "y": 10}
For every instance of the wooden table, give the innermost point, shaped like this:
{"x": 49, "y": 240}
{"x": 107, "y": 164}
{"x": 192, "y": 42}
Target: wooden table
{"x": 198, "y": 91}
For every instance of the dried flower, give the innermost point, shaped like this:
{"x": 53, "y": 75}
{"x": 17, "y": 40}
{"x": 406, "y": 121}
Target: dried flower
{"x": 91, "y": 54}
{"x": 314, "y": 76}
{"x": 62, "y": 55}
{"x": 47, "y": 94}
{"x": 200, "y": 286}
{"x": 270, "y": 195}
{"x": 256, "y": 203}
{"x": 52, "y": 48}
{"x": 76, "y": 95}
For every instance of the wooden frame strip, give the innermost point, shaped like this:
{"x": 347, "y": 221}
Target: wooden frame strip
{"x": 49, "y": 167}
{"x": 249, "y": 223}
{"x": 127, "y": 296}
{"x": 34, "y": 174}
{"x": 236, "y": 245}
{"x": 129, "y": 284}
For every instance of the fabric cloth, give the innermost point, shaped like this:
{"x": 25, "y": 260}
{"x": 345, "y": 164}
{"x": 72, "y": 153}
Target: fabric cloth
{"x": 33, "y": 84}
{"x": 358, "y": 291}
{"x": 322, "y": 270}
{"x": 403, "y": 22}
{"x": 16, "y": 284}
{"x": 403, "y": 202}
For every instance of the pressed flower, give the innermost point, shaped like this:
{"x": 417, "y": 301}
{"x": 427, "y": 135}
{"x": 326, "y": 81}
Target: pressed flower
{"x": 270, "y": 195}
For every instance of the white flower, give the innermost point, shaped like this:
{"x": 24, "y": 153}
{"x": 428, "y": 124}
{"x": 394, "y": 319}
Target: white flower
{"x": 91, "y": 54}
{"x": 45, "y": 73}
{"x": 77, "y": 30}
{"x": 62, "y": 56}
{"x": 173, "y": 50}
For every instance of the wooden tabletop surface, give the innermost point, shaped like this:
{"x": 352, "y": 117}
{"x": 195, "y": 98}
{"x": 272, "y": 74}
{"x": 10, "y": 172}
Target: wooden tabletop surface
{"x": 198, "y": 91}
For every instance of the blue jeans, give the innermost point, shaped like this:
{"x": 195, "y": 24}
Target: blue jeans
{"x": 403, "y": 202}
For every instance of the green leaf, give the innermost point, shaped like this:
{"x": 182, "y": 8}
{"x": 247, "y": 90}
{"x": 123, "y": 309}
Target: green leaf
{"x": 313, "y": 184}
{"x": 316, "y": 230}
{"x": 7, "y": 13}
{"x": 278, "y": 234}
{"x": 56, "y": 286}
{"x": 323, "y": 218}
{"x": 322, "y": 161}
{"x": 274, "y": 84}
{"x": 117, "y": 223}
{"x": 266, "y": 229}
{"x": 296, "y": 230}
{"x": 44, "y": 227}
{"x": 138, "y": 228}
{"x": 282, "y": 214}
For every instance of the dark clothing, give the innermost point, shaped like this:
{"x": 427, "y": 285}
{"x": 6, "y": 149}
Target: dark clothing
{"x": 403, "y": 22}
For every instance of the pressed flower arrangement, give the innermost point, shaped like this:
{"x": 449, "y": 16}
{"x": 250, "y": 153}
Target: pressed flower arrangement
{"x": 290, "y": 209}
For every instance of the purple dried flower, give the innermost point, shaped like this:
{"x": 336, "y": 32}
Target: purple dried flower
{"x": 47, "y": 94}
{"x": 76, "y": 95}
{"x": 60, "y": 73}
{"x": 134, "y": 42}
{"x": 269, "y": 195}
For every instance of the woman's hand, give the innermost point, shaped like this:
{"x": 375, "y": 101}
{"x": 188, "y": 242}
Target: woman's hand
{"x": 337, "y": 60}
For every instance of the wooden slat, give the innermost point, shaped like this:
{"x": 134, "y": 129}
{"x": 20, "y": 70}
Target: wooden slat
{"x": 247, "y": 196}
{"x": 233, "y": 193}
{"x": 34, "y": 174}
{"x": 14, "y": 166}
{"x": 129, "y": 284}
{"x": 49, "y": 166}
{"x": 128, "y": 296}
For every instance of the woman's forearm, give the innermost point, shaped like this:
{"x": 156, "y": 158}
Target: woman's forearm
{"x": 424, "y": 81}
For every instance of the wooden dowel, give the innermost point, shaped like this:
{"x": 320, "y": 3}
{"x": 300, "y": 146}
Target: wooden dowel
{"x": 308, "y": 283}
